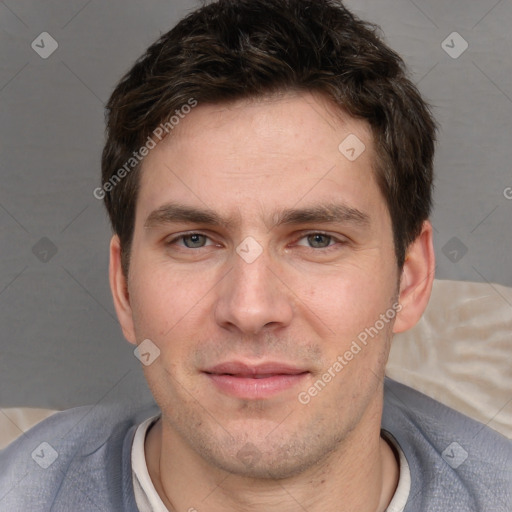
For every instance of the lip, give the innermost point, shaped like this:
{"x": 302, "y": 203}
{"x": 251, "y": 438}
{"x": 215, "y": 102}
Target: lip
{"x": 257, "y": 381}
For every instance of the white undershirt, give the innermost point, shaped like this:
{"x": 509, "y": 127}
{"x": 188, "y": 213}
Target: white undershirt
{"x": 397, "y": 504}
{"x": 146, "y": 497}
{"x": 148, "y": 500}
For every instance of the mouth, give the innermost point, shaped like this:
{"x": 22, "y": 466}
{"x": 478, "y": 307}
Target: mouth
{"x": 255, "y": 382}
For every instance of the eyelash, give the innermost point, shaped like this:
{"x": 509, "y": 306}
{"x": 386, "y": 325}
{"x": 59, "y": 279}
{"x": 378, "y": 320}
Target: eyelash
{"x": 335, "y": 245}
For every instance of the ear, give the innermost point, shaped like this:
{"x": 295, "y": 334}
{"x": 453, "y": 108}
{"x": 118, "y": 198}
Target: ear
{"x": 119, "y": 288}
{"x": 416, "y": 280}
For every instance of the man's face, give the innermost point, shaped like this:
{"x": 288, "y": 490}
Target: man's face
{"x": 251, "y": 307}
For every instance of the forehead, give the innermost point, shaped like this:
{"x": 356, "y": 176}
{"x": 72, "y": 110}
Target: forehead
{"x": 272, "y": 152}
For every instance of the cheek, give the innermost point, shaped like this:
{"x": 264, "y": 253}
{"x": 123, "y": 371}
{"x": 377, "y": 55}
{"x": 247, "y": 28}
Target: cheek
{"x": 349, "y": 298}
{"x": 163, "y": 301}
{"x": 350, "y": 310}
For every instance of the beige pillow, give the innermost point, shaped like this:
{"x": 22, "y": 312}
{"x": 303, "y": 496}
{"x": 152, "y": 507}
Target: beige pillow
{"x": 460, "y": 353}
{"x": 17, "y": 420}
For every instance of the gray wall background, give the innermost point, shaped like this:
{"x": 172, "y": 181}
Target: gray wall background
{"x": 60, "y": 343}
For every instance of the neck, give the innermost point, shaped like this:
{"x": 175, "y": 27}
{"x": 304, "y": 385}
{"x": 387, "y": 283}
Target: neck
{"x": 361, "y": 475}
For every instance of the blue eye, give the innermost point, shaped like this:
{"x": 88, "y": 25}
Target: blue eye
{"x": 195, "y": 240}
{"x": 317, "y": 240}
{"x": 190, "y": 241}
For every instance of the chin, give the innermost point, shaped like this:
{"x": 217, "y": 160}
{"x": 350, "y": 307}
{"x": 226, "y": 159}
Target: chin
{"x": 270, "y": 459}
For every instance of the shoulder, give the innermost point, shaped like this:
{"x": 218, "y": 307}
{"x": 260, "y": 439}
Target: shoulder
{"x": 77, "y": 459}
{"x": 457, "y": 463}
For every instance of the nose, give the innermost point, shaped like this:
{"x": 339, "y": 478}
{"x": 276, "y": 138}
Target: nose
{"x": 253, "y": 297}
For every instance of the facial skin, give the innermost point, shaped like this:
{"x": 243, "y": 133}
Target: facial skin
{"x": 301, "y": 302}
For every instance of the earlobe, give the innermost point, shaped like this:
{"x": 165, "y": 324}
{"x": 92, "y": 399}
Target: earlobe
{"x": 119, "y": 288}
{"x": 417, "y": 279}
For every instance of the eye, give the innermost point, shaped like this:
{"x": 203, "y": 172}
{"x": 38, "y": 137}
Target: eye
{"x": 190, "y": 240}
{"x": 194, "y": 240}
{"x": 318, "y": 240}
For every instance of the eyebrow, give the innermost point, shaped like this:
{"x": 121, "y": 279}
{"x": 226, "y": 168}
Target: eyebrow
{"x": 323, "y": 214}
{"x": 328, "y": 213}
{"x": 173, "y": 212}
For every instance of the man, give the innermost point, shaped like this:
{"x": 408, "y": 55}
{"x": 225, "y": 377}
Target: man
{"x": 268, "y": 175}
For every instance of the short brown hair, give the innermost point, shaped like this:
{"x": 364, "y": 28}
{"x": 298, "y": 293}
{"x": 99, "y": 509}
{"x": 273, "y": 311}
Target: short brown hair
{"x": 229, "y": 50}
